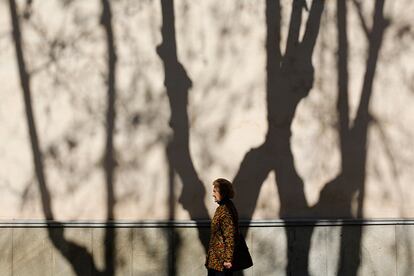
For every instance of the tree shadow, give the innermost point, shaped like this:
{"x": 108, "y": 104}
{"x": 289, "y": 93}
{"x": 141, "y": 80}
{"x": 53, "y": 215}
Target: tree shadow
{"x": 78, "y": 256}
{"x": 289, "y": 79}
{"x": 177, "y": 84}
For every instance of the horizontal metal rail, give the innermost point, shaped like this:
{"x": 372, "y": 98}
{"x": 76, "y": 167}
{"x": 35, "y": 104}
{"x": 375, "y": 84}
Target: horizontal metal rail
{"x": 197, "y": 223}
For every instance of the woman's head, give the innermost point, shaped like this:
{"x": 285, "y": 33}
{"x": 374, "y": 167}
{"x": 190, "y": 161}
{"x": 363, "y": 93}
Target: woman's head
{"x": 222, "y": 189}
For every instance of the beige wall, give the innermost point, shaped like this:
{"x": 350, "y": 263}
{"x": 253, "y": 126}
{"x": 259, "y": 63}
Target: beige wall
{"x": 221, "y": 44}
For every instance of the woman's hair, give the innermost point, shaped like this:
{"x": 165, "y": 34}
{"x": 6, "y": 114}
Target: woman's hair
{"x": 225, "y": 187}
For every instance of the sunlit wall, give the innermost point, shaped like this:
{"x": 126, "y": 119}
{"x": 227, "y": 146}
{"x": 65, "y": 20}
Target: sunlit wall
{"x": 163, "y": 169}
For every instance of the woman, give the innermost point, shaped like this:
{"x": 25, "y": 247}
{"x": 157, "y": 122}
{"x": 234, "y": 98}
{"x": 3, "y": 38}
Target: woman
{"x": 224, "y": 229}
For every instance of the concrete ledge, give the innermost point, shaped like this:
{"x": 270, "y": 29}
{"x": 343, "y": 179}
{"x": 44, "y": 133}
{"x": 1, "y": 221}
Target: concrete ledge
{"x": 318, "y": 247}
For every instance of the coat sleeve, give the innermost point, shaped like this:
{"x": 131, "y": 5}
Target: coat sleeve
{"x": 229, "y": 233}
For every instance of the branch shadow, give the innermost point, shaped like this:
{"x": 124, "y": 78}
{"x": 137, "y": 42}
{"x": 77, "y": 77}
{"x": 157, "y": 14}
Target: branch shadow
{"x": 353, "y": 141}
{"x": 289, "y": 79}
{"x": 177, "y": 84}
{"x": 78, "y": 256}
{"x": 109, "y": 163}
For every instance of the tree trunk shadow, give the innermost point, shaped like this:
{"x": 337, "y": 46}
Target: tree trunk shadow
{"x": 289, "y": 79}
{"x": 78, "y": 256}
{"x": 177, "y": 84}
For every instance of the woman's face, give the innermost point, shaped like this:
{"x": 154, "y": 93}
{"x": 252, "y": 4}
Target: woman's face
{"x": 216, "y": 194}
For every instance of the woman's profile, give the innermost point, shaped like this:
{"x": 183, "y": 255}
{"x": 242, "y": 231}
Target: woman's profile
{"x": 224, "y": 237}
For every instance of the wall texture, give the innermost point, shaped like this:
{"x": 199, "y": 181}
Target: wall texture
{"x": 128, "y": 110}
{"x": 219, "y": 118}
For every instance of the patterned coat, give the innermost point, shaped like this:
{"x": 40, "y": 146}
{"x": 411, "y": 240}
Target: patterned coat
{"x": 222, "y": 238}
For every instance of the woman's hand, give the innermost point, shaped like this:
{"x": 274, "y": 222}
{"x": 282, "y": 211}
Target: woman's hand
{"x": 227, "y": 265}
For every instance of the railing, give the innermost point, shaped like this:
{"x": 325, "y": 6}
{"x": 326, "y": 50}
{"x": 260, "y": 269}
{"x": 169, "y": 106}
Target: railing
{"x": 197, "y": 223}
